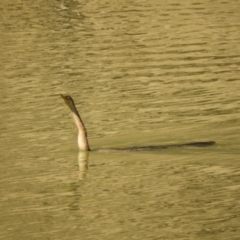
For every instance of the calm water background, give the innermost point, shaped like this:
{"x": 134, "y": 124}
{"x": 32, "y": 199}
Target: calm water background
{"x": 141, "y": 73}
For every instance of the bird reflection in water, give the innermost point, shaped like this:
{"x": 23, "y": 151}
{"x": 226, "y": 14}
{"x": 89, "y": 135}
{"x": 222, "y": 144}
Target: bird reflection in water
{"x": 83, "y": 164}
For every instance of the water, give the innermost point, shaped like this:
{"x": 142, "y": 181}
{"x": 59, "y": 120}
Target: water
{"x": 141, "y": 73}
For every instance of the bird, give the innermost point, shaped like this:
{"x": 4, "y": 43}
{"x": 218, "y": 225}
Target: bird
{"x": 82, "y": 131}
{"x": 83, "y": 144}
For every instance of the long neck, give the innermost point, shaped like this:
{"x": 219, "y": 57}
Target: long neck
{"x": 82, "y": 132}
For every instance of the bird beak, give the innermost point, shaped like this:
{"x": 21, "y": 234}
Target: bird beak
{"x": 62, "y": 96}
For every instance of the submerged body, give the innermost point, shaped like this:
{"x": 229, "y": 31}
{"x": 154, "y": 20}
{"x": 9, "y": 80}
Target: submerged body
{"x": 83, "y": 140}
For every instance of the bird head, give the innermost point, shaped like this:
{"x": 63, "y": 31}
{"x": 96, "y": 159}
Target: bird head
{"x": 69, "y": 102}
